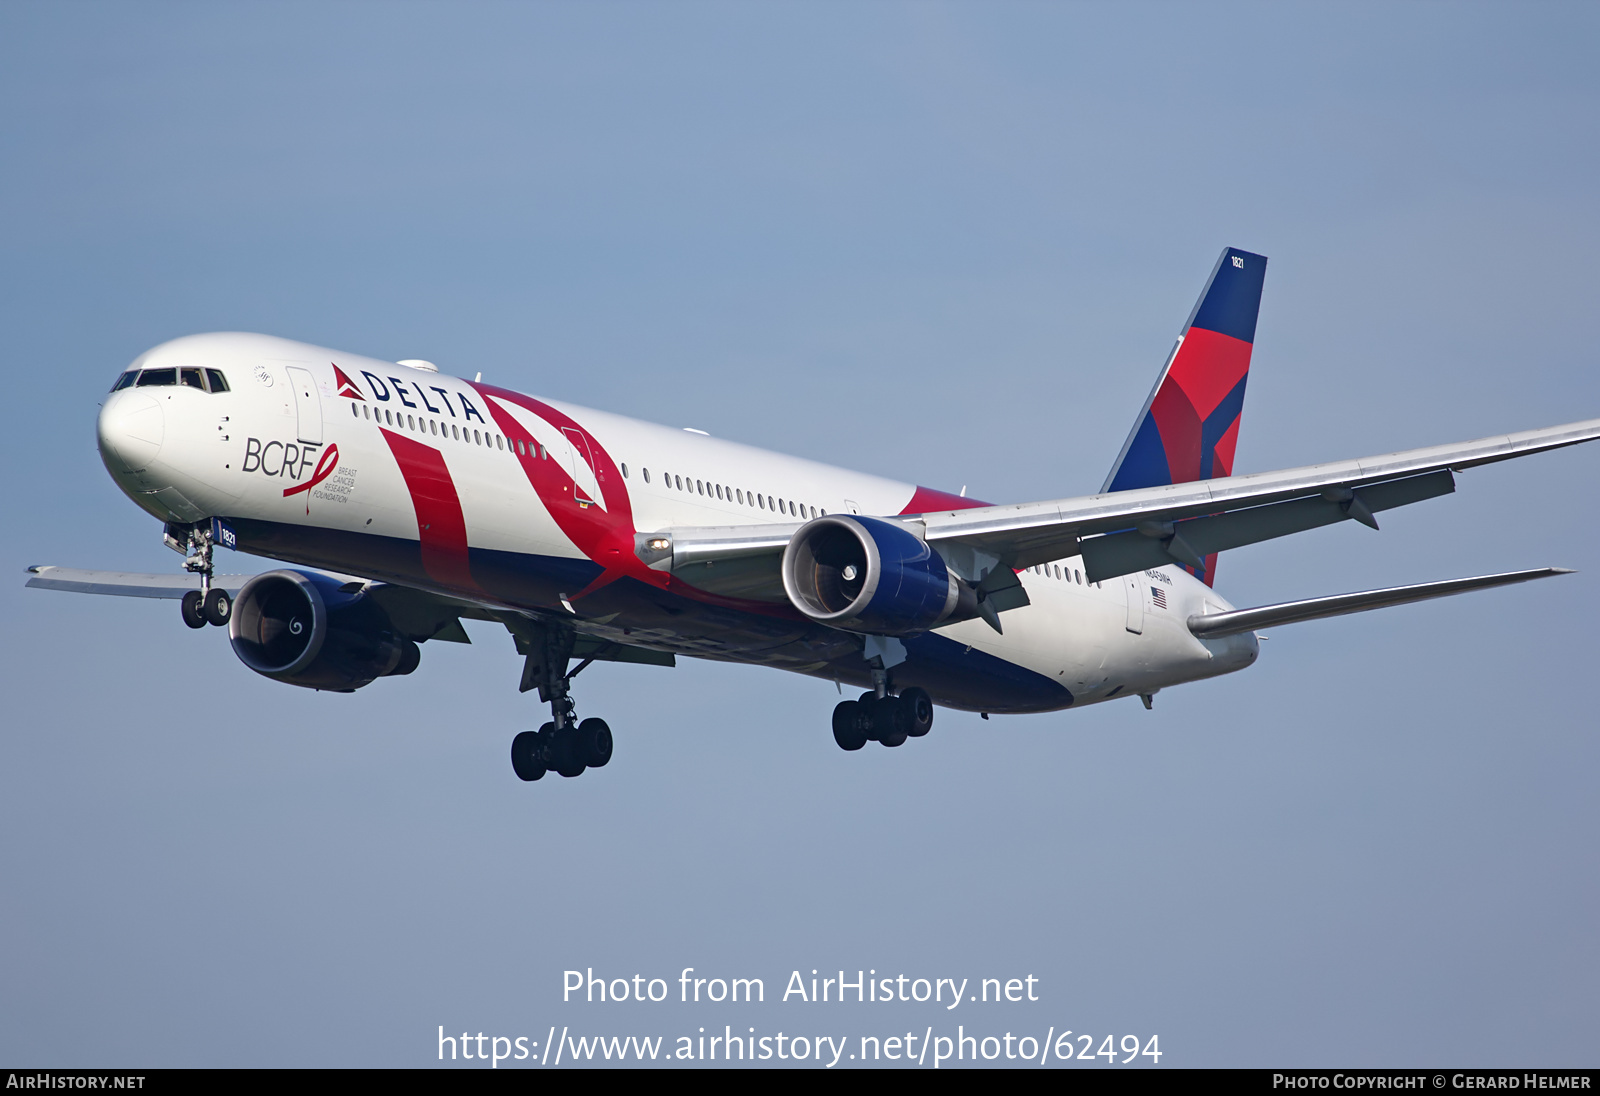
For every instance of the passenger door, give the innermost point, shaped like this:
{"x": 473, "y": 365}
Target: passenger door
{"x": 1133, "y": 586}
{"x": 307, "y": 404}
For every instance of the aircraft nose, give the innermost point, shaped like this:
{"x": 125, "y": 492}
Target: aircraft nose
{"x": 131, "y": 430}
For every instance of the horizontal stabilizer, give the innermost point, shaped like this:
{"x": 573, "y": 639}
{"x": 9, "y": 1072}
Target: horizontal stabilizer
{"x": 1217, "y": 625}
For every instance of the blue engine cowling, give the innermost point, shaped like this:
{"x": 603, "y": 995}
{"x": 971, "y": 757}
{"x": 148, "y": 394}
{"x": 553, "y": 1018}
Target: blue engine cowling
{"x": 305, "y": 629}
{"x": 870, "y": 575}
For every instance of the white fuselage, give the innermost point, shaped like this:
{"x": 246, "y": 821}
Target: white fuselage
{"x": 294, "y": 414}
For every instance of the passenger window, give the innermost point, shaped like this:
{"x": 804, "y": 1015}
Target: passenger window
{"x": 679, "y": 480}
{"x": 624, "y": 471}
{"x": 646, "y": 472}
{"x": 154, "y": 378}
{"x": 719, "y": 492}
{"x": 218, "y": 383}
{"x": 125, "y": 380}
{"x": 699, "y": 487}
{"x": 355, "y": 412}
{"x": 190, "y": 378}
{"x": 759, "y": 503}
{"x": 477, "y": 437}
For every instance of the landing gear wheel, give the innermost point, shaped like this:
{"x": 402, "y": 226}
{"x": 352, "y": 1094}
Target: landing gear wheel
{"x": 566, "y": 752}
{"x": 594, "y": 740}
{"x": 190, "y": 608}
{"x": 526, "y": 756}
{"x": 919, "y": 709}
{"x": 217, "y": 607}
{"x": 889, "y": 719}
{"x": 847, "y": 731}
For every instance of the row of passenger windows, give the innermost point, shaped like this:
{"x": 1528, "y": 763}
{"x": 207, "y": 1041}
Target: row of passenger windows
{"x": 495, "y": 441}
{"x": 1066, "y": 574}
{"x": 733, "y": 494}
{"x": 401, "y": 421}
{"x": 206, "y": 380}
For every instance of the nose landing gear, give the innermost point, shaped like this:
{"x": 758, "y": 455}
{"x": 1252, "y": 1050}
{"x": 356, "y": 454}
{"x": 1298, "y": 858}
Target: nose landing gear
{"x": 209, "y": 604}
{"x": 564, "y": 745}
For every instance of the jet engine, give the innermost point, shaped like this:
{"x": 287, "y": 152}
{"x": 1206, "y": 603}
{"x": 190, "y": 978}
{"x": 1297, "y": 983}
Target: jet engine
{"x": 307, "y": 629}
{"x": 870, "y": 575}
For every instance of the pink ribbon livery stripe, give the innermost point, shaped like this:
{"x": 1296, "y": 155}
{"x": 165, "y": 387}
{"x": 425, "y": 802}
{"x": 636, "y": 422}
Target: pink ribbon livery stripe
{"x": 325, "y": 466}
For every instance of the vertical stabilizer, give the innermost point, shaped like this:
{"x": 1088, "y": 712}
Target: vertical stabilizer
{"x": 1189, "y": 426}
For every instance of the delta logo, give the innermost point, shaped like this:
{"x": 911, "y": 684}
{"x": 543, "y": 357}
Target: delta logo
{"x": 347, "y": 387}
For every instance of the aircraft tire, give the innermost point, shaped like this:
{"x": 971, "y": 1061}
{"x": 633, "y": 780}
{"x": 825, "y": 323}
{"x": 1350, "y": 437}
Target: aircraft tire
{"x": 190, "y": 608}
{"x": 566, "y": 752}
{"x": 525, "y": 760}
{"x": 217, "y": 607}
{"x": 847, "y": 731}
{"x": 594, "y": 739}
{"x": 888, "y": 720}
{"x": 919, "y": 710}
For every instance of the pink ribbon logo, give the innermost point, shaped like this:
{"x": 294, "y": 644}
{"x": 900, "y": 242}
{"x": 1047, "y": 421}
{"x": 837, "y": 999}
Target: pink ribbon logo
{"x": 325, "y": 466}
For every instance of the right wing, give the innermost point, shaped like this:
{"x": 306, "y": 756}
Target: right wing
{"x": 126, "y": 583}
{"x": 417, "y": 614}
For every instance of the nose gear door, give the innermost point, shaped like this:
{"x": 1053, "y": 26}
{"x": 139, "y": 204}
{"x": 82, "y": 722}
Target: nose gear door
{"x": 307, "y": 405}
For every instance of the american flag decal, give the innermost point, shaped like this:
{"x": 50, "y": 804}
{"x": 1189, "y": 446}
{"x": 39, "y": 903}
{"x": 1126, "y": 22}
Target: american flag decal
{"x": 1159, "y": 596}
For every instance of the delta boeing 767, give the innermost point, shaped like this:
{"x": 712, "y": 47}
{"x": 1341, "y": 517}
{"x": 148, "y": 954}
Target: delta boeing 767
{"x": 406, "y": 499}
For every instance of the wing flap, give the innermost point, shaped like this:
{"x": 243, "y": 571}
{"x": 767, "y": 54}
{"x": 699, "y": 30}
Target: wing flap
{"x": 1158, "y": 544}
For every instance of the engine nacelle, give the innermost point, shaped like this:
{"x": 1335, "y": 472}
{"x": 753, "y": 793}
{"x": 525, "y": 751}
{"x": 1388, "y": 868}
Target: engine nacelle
{"x": 869, "y": 575}
{"x": 303, "y": 629}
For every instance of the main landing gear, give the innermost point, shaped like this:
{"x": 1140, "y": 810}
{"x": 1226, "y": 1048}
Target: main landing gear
{"x": 209, "y": 604}
{"x": 564, "y": 744}
{"x": 888, "y": 720}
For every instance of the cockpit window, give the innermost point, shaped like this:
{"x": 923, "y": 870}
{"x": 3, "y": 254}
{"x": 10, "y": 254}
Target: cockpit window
{"x": 206, "y": 380}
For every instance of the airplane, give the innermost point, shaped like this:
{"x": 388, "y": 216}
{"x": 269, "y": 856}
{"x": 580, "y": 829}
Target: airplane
{"x": 406, "y": 500}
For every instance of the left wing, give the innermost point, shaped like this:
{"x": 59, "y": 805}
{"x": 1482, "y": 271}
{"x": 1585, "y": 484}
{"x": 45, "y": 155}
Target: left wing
{"x": 1128, "y": 531}
{"x": 1124, "y": 531}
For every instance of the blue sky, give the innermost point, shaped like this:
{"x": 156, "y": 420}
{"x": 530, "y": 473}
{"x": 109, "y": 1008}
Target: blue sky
{"x": 946, "y": 243}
